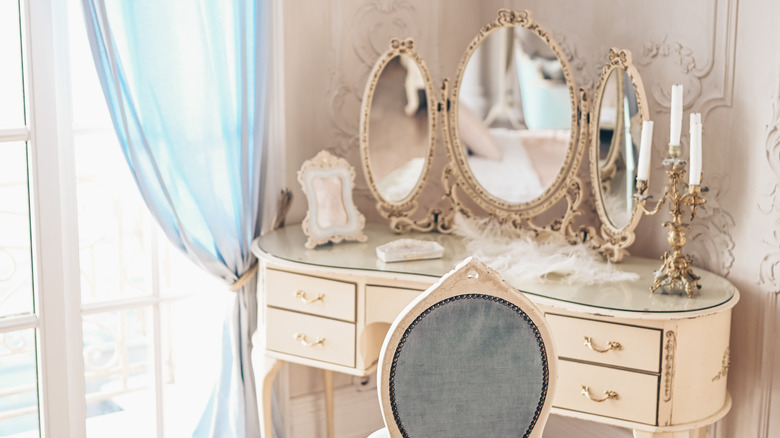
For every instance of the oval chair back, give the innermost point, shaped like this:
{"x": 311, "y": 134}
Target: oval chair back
{"x": 470, "y": 357}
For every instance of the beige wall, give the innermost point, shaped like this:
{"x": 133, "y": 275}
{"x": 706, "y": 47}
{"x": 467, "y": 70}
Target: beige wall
{"x": 726, "y": 54}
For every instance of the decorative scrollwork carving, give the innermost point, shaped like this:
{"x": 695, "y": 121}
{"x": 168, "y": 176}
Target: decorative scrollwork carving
{"x": 725, "y": 363}
{"x": 510, "y": 18}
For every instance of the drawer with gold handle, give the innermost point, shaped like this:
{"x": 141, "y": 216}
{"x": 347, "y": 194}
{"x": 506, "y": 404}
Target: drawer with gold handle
{"x": 610, "y": 392}
{"x": 611, "y": 345}
{"x": 301, "y": 338}
{"x": 314, "y": 295}
{"x": 310, "y": 336}
{"x": 301, "y": 295}
{"x": 606, "y": 343}
{"x": 608, "y": 395}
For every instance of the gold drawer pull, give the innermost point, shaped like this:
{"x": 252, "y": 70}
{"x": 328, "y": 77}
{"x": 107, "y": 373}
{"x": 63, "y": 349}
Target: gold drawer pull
{"x": 607, "y": 395}
{"x": 300, "y": 337}
{"x": 301, "y": 295}
{"x": 612, "y": 345}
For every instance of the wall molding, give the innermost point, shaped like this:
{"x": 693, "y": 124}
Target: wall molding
{"x": 724, "y": 37}
{"x": 769, "y": 274}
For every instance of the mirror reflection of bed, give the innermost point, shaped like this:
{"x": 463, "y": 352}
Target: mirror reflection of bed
{"x": 398, "y": 128}
{"x": 514, "y": 115}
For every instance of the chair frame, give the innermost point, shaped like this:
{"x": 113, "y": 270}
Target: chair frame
{"x": 452, "y": 286}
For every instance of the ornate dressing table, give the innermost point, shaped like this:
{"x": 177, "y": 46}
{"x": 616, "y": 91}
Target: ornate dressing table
{"x": 516, "y": 129}
{"x": 653, "y": 363}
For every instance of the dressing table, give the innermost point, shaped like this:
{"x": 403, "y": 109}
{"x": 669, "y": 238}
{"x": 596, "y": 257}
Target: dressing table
{"x": 653, "y": 363}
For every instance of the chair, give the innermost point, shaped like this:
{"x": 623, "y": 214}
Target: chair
{"x": 470, "y": 357}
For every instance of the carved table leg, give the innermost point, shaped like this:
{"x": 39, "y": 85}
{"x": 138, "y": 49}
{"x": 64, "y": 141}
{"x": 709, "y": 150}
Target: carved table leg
{"x": 693, "y": 433}
{"x": 264, "y": 388}
{"x": 329, "y": 411}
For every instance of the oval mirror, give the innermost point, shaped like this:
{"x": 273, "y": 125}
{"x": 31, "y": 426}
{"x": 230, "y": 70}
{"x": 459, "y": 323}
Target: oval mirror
{"x": 514, "y": 126}
{"x": 619, "y": 110}
{"x": 397, "y": 126}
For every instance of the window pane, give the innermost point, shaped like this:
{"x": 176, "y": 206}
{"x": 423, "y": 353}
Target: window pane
{"x": 119, "y": 373}
{"x": 181, "y": 276}
{"x": 18, "y": 384}
{"x": 192, "y": 334}
{"x": 11, "y": 90}
{"x": 15, "y": 260}
{"x": 114, "y": 224}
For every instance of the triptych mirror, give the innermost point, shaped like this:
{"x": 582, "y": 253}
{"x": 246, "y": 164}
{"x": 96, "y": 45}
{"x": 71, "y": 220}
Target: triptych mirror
{"x": 516, "y": 128}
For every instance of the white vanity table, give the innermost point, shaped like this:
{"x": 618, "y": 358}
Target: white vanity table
{"x": 653, "y": 363}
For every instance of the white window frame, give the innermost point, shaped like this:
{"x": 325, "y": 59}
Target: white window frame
{"x": 54, "y": 219}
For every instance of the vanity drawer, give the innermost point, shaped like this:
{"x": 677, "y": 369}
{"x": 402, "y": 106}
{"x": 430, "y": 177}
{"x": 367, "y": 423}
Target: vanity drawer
{"x": 383, "y": 304}
{"x": 637, "y": 393}
{"x": 318, "y": 296}
{"x": 640, "y": 348}
{"x": 298, "y": 334}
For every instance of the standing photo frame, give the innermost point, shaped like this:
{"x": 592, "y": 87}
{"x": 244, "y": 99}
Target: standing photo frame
{"x": 327, "y": 181}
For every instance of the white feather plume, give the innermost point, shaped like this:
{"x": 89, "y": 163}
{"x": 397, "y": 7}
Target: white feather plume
{"x": 520, "y": 256}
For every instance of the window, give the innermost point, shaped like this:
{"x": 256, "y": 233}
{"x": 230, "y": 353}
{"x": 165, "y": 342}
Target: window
{"x": 104, "y": 326}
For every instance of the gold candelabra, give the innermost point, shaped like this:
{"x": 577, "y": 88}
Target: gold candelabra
{"x": 676, "y": 273}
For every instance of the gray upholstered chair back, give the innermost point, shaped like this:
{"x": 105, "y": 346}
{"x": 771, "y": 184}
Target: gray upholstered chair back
{"x": 470, "y": 357}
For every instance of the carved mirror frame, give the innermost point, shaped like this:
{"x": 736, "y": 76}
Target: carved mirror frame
{"x": 612, "y": 241}
{"x": 399, "y": 213}
{"x": 458, "y": 176}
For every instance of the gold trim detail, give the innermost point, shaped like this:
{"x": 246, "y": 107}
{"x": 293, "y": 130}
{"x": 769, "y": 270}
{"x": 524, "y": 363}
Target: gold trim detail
{"x": 399, "y": 213}
{"x": 611, "y": 345}
{"x": 671, "y": 345}
{"x": 611, "y": 241}
{"x": 457, "y": 176}
{"x": 608, "y": 394}
{"x": 724, "y": 366}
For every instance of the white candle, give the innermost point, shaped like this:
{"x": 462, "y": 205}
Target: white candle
{"x": 645, "y": 149}
{"x": 676, "y": 117}
{"x": 694, "y": 178}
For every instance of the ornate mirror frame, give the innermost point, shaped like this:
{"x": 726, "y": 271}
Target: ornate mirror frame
{"x": 613, "y": 241}
{"x": 457, "y": 173}
{"x": 399, "y": 213}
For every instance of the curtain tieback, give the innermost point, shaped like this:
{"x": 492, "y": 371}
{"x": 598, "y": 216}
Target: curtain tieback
{"x": 243, "y": 279}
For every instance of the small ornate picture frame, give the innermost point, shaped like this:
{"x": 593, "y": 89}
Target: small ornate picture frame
{"x": 327, "y": 182}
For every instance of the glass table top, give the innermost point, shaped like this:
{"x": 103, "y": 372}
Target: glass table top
{"x": 629, "y": 296}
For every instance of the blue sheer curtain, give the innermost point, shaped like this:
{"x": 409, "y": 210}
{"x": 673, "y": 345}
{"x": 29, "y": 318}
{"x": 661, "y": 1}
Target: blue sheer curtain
{"x": 185, "y": 84}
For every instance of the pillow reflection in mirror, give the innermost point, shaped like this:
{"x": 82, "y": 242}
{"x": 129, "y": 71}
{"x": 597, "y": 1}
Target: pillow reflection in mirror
{"x": 544, "y": 93}
{"x": 476, "y": 137}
